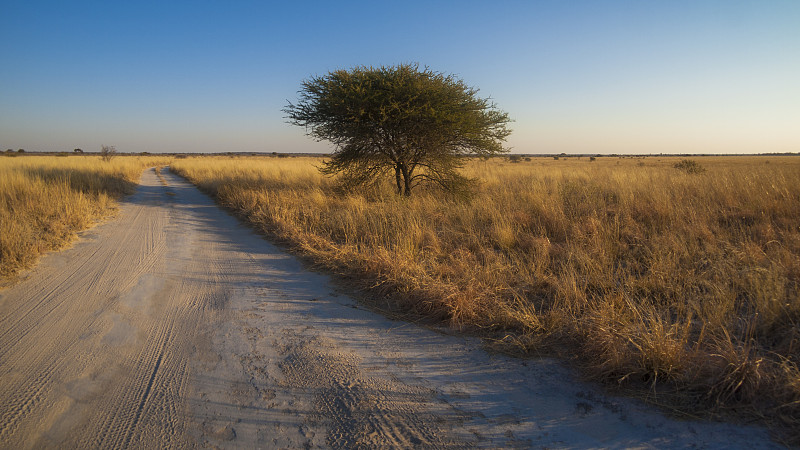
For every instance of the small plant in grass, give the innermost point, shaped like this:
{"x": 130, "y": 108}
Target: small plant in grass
{"x": 108, "y": 152}
{"x": 689, "y": 166}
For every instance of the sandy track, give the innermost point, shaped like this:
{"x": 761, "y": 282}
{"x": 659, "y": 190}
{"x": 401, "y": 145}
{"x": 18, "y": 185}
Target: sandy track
{"x": 175, "y": 326}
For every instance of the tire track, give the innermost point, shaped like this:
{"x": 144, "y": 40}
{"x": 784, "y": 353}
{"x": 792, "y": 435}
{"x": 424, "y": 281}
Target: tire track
{"x": 360, "y": 411}
{"x": 78, "y": 281}
{"x": 145, "y": 396}
{"x": 122, "y": 420}
{"x": 19, "y": 401}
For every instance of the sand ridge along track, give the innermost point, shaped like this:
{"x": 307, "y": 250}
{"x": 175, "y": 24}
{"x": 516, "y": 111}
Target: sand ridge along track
{"x": 175, "y": 326}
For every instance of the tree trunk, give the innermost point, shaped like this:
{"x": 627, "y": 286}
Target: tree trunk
{"x": 398, "y": 174}
{"x": 406, "y": 180}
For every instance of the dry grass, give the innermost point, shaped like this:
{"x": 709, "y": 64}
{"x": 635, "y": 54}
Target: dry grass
{"x": 680, "y": 286}
{"x": 46, "y": 200}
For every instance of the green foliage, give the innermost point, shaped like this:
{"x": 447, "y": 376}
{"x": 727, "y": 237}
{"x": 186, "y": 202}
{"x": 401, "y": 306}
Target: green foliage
{"x": 415, "y": 125}
{"x": 689, "y": 166}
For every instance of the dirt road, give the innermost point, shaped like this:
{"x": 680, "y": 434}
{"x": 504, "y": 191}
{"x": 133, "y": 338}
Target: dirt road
{"x": 175, "y": 326}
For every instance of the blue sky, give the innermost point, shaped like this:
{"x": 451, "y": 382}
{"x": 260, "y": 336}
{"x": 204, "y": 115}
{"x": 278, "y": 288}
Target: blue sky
{"x": 576, "y": 76}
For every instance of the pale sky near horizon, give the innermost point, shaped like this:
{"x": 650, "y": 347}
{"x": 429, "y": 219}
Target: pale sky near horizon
{"x": 638, "y": 76}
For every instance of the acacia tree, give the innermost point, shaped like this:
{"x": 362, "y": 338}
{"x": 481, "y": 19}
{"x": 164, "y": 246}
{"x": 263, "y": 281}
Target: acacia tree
{"x": 415, "y": 125}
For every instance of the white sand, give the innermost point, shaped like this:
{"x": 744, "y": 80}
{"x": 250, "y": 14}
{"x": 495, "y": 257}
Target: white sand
{"x": 175, "y": 326}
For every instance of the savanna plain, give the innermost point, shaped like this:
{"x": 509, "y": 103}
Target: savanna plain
{"x": 673, "y": 281}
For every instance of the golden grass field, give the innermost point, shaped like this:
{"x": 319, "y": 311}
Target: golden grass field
{"x": 681, "y": 287}
{"x": 46, "y": 200}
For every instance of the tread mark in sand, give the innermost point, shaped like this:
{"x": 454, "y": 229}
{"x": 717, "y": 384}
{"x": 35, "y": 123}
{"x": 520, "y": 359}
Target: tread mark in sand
{"x": 22, "y": 401}
{"x": 123, "y": 418}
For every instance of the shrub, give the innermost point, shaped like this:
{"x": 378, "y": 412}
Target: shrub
{"x": 689, "y": 166}
{"x": 108, "y": 152}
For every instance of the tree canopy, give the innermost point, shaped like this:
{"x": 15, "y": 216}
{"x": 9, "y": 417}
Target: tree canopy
{"x": 414, "y": 124}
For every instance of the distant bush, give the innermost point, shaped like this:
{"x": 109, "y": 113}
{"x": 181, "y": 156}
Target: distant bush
{"x": 689, "y": 166}
{"x": 108, "y": 152}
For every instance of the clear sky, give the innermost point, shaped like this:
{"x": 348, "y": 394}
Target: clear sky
{"x": 660, "y": 76}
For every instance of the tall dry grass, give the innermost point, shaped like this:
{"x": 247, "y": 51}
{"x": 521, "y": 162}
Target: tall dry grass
{"x": 680, "y": 286}
{"x": 46, "y": 200}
